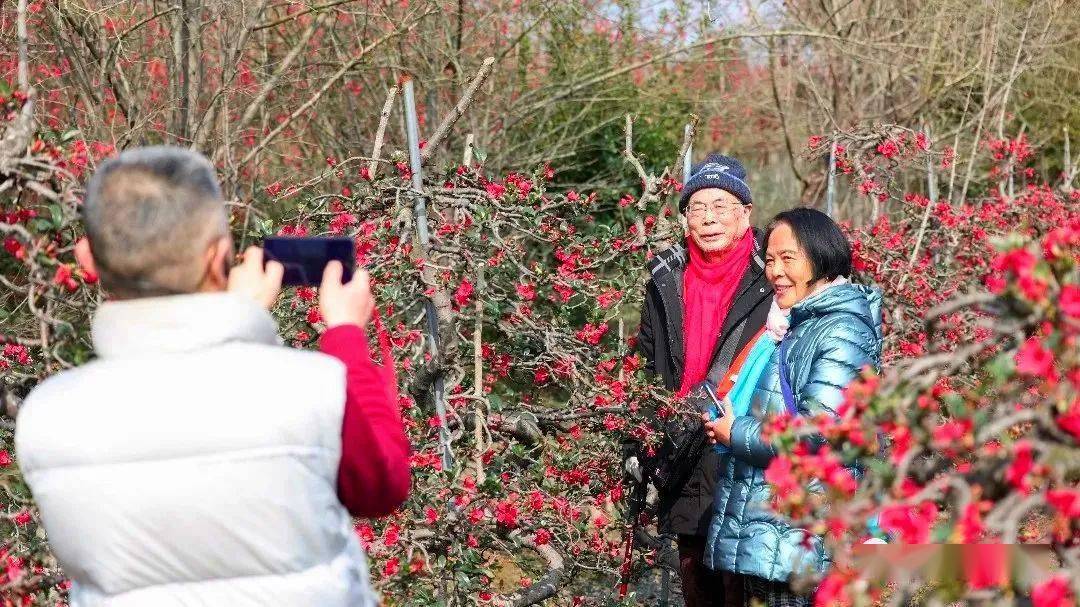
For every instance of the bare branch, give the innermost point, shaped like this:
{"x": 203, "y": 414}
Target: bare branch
{"x": 307, "y": 105}
{"x": 380, "y": 132}
{"x": 463, "y": 104}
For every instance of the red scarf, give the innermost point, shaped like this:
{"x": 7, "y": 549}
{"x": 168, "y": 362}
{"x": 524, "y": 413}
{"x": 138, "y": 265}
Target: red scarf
{"x": 708, "y": 287}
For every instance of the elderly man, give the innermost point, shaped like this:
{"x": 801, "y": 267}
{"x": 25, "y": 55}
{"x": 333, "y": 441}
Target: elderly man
{"x": 196, "y": 461}
{"x": 704, "y": 302}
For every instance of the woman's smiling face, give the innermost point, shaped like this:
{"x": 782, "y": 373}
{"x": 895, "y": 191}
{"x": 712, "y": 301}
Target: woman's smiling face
{"x": 787, "y": 267}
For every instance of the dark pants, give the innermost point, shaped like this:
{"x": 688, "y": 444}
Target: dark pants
{"x": 774, "y": 594}
{"x": 703, "y": 587}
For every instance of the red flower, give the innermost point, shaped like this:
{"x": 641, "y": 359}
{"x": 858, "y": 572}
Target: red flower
{"x": 608, "y": 298}
{"x": 565, "y": 292}
{"x": 1069, "y": 300}
{"x": 506, "y": 514}
{"x": 63, "y": 277}
{"x": 495, "y": 190}
{"x": 911, "y": 523}
{"x": 475, "y": 516}
{"x": 463, "y": 292}
{"x": 22, "y": 518}
{"x": 391, "y": 535}
{"x": 536, "y": 500}
{"x": 833, "y": 591}
{"x": 1018, "y": 261}
{"x": 431, "y": 515}
{"x": 526, "y": 291}
{"x": 391, "y": 567}
{"x": 5, "y": 458}
{"x": 779, "y": 475}
{"x": 338, "y": 223}
{"x": 543, "y": 536}
{"x": 592, "y": 334}
{"x": 541, "y": 375}
{"x": 888, "y": 148}
{"x": 970, "y": 526}
{"x": 14, "y": 247}
{"x": 901, "y": 443}
{"x": 1053, "y": 592}
{"x": 1022, "y": 465}
{"x": 1033, "y": 359}
{"x": 1070, "y": 420}
{"x": 952, "y": 432}
{"x": 1065, "y": 501}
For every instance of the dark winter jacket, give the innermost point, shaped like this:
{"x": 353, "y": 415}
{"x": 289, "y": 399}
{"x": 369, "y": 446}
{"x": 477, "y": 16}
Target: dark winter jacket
{"x": 832, "y": 336}
{"x": 687, "y": 509}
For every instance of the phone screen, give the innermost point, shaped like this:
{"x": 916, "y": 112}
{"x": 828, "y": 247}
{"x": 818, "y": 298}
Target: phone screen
{"x": 717, "y": 407}
{"x": 305, "y": 258}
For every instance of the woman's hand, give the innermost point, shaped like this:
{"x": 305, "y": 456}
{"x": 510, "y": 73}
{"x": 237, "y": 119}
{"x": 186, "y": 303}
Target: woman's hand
{"x": 718, "y": 430}
{"x": 349, "y": 303}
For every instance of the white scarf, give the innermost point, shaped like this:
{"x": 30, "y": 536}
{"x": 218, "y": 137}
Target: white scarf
{"x": 778, "y": 321}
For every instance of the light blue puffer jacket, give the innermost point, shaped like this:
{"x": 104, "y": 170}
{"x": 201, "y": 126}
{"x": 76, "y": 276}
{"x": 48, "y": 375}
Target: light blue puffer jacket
{"x": 832, "y": 336}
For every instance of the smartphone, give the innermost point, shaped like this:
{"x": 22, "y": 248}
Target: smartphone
{"x": 305, "y": 258}
{"x": 716, "y": 408}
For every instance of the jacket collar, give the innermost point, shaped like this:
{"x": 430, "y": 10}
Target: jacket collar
{"x": 860, "y": 301}
{"x": 178, "y": 323}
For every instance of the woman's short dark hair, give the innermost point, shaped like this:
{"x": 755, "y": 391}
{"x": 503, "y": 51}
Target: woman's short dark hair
{"x": 824, "y": 242}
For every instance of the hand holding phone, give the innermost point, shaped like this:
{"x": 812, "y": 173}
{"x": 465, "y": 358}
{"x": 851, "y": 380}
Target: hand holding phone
{"x": 345, "y": 303}
{"x": 718, "y": 420}
{"x": 255, "y": 279}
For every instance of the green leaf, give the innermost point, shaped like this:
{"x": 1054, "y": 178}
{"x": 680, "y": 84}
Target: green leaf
{"x": 69, "y": 134}
{"x": 1001, "y": 367}
{"x": 481, "y": 155}
{"x": 56, "y": 215}
{"x": 5, "y": 89}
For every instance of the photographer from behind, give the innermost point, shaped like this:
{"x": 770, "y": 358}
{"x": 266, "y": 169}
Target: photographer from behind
{"x": 196, "y": 460}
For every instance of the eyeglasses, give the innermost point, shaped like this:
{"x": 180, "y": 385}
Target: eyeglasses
{"x": 721, "y": 212}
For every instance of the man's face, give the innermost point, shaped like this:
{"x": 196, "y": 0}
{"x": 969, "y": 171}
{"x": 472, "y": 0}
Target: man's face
{"x": 716, "y": 219}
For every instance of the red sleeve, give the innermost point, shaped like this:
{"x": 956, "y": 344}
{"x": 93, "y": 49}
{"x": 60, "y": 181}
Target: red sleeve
{"x": 373, "y": 476}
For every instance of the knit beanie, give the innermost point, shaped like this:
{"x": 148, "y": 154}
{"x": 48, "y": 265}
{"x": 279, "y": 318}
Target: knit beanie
{"x": 717, "y": 171}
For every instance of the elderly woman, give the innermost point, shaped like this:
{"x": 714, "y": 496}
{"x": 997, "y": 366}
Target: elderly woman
{"x": 821, "y": 332}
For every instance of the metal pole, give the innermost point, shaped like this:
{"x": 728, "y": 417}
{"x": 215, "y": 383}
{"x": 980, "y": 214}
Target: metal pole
{"x": 830, "y": 189}
{"x": 686, "y": 164}
{"x": 420, "y": 219}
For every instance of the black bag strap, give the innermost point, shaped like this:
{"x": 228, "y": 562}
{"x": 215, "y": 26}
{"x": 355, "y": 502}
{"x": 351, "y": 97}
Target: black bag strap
{"x": 726, "y": 356}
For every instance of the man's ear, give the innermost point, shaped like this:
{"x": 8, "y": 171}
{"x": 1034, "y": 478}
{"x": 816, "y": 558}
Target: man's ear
{"x": 84, "y": 256}
{"x": 217, "y": 261}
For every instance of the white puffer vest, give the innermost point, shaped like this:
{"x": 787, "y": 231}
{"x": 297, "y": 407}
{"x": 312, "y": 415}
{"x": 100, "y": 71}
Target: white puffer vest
{"x": 194, "y": 463}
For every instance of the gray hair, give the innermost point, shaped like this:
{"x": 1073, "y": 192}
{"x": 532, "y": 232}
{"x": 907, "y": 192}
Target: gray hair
{"x": 150, "y": 214}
